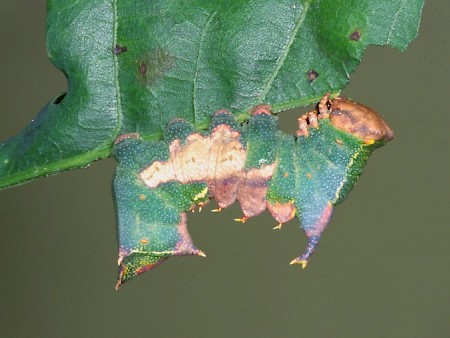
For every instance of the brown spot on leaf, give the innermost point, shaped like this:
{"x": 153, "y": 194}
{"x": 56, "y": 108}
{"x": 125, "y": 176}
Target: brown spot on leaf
{"x": 355, "y": 36}
{"x": 312, "y": 75}
{"x": 309, "y": 175}
{"x": 142, "y": 197}
{"x": 119, "y": 49}
{"x": 154, "y": 65}
{"x": 142, "y": 68}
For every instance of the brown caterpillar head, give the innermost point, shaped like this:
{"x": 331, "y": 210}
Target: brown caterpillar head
{"x": 359, "y": 120}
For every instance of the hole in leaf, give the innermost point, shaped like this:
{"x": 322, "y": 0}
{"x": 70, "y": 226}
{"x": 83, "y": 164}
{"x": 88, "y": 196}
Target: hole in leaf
{"x": 312, "y": 75}
{"x": 57, "y": 100}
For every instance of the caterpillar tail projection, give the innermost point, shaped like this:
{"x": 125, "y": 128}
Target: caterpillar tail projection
{"x": 302, "y": 175}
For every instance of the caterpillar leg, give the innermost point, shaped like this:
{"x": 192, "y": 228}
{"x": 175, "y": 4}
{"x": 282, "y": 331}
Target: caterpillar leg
{"x": 313, "y": 232}
{"x": 243, "y": 219}
{"x": 278, "y": 226}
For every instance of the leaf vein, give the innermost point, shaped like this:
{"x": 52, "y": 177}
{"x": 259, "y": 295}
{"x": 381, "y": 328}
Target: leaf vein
{"x": 116, "y": 70}
{"x": 197, "y": 68}
{"x": 394, "y": 21}
{"x": 283, "y": 55}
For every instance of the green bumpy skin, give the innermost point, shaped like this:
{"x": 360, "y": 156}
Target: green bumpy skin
{"x": 304, "y": 175}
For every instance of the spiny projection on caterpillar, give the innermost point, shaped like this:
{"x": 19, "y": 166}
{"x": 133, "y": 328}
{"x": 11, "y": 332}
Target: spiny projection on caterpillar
{"x": 302, "y": 175}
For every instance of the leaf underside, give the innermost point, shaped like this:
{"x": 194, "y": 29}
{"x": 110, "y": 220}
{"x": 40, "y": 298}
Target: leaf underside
{"x": 132, "y": 66}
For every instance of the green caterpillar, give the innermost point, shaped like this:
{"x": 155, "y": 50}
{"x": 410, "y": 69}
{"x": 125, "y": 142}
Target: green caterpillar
{"x": 305, "y": 175}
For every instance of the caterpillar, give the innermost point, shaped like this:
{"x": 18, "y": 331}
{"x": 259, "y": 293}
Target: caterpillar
{"x": 302, "y": 175}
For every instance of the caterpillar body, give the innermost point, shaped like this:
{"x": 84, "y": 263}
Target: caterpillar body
{"x": 302, "y": 175}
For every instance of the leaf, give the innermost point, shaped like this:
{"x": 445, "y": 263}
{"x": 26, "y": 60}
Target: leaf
{"x": 132, "y": 66}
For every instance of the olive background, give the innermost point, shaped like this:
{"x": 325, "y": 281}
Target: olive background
{"x": 382, "y": 268}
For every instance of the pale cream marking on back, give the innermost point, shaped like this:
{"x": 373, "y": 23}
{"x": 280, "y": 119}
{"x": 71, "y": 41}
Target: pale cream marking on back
{"x": 218, "y": 156}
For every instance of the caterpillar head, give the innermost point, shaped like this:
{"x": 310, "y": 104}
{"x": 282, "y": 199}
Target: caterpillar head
{"x": 358, "y": 120}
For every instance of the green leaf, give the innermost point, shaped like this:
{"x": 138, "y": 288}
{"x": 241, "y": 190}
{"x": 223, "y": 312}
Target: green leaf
{"x": 132, "y": 66}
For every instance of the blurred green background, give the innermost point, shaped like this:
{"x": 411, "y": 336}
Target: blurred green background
{"x": 382, "y": 269}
